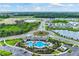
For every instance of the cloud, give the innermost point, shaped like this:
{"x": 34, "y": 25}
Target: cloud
{"x": 32, "y": 7}
{"x": 5, "y": 10}
{"x": 21, "y": 8}
{"x": 37, "y": 8}
{"x": 5, "y": 5}
{"x": 56, "y": 4}
{"x": 70, "y": 4}
{"x": 62, "y": 4}
{"x": 40, "y": 8}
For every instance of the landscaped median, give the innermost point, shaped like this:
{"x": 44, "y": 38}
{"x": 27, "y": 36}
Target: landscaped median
{"x": 5, "y": 53}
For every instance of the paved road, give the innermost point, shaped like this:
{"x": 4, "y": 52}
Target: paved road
{"x": 63, "y": 39}
{"x": 41, "y": 27}
{"x": 15, "y": 51}
{"x": 17, "y": 36}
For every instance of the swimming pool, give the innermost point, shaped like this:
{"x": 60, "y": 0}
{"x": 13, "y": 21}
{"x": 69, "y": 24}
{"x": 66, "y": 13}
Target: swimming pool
{"x": 37, "y": 44}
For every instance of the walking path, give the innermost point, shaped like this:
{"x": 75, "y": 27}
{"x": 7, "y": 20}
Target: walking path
{"x": 14, "y": 50}
{"x": 42, "y": 28}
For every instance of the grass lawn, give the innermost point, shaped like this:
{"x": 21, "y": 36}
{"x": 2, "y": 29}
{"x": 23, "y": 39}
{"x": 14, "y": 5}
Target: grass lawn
{"x": 2, "y": 43}
{"x": 18, "y": 27}
{"x": 5, "y": 53}
{"x": 56, "y": 52}
{"x": 59, "y": 21}
{"x": 69, "y": 51}
{"x": 15, "y": 29}
{"x": 11, "y": 28}
{"x": 13, "y": 41}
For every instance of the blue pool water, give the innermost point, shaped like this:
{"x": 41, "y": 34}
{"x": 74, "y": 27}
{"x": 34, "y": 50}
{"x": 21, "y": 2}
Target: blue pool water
{"x": 38, "y": 44}
{"x": 30, "y": 44}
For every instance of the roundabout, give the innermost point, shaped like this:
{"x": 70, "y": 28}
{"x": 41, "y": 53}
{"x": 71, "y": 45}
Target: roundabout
{"x": 39, "y": 42}
{"x": 40, "y": 33}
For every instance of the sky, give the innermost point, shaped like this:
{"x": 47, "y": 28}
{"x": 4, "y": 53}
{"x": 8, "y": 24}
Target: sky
{"x": 39, "y": 7}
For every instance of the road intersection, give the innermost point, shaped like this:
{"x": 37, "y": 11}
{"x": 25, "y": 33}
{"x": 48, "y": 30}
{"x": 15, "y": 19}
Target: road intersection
{"x": 40, "y": 28}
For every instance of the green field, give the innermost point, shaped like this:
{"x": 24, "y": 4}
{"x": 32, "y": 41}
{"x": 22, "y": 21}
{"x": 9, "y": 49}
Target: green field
{"x": 2, "y": 43}
{"x": 59, "y": 21}
{"x": 56, "y": 52}
{"x": 5, "y": 53}
{"x": 14, "y": 29}
{"x": 13, "y": 41}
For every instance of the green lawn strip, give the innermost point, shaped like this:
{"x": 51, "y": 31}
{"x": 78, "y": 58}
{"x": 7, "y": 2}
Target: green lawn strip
{"x": 69, "y": 29}
{"x": 69, "y": 50}
{"x": 13, "y": 41}
{"x": 56, "y": 52}
{"x": 5, "y": 53}
{"x": 2, "y": 43}
{"x": 59, "y": 21}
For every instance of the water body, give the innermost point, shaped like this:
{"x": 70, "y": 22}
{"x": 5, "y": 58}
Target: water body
{"x": 38, "y": 44}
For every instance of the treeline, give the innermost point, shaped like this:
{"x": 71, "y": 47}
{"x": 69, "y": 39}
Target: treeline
{"x": 5, "y": 15}
{"x": 43, "y": 14}
{"x": 50, "y": 14}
